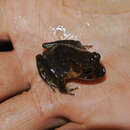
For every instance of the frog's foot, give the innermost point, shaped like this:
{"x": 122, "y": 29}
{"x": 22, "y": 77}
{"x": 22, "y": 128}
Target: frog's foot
{"x": 72, "y": 89}
{"x": 69, "y": 91}
{"x": 88, "y": 46}
{"x": 53, "y": 88}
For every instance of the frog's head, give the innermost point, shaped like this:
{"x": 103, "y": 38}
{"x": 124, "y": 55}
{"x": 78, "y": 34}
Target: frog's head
{"x": 92, "y": 68}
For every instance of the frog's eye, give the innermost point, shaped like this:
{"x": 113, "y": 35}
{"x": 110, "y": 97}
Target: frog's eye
{"x": 96, "y": 56}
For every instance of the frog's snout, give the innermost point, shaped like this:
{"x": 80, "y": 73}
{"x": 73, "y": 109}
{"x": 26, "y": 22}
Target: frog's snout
{"x": 101, "y": 72}
{"x": 94, "y": 72}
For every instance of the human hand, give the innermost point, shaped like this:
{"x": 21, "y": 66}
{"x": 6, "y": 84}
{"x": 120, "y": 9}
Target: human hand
{"x": 95, "y": 105}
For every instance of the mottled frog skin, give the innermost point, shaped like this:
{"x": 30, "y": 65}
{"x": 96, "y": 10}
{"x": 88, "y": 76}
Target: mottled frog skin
{"x": 64, "y": 60}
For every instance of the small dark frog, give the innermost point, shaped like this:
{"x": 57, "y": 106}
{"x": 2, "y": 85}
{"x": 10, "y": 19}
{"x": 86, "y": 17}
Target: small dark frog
{"x": 65, "y": 60}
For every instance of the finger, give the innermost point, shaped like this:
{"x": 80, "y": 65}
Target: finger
{"x": 19, "y": 113}
{"x": 72, "y": 126}
{"x": 3, "y": 20}
{"x": 34, "y": 110}
{"x": 11, "y": 75}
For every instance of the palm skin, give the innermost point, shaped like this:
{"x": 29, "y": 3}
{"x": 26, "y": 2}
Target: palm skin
{"x": 104, "y": 104}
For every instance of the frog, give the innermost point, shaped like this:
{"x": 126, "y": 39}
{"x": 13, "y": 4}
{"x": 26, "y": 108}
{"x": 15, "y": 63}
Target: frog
{"x": 65, "y": 60}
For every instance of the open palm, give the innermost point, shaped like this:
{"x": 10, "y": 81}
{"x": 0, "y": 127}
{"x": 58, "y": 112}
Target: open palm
{"x": 104, "y": 104}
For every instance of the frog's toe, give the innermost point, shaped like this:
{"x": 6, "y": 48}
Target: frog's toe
{"x": 72, "y": 89}
{"x": 53, "y": 89}
{"x": 72, "y": 94}
{"x": 69, "y": 91}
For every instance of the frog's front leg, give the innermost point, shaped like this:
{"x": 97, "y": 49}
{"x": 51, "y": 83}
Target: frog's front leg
{"x": 66, "y": 90}
{"x": 70, "y": 90}
{"x": 63, "y": 42}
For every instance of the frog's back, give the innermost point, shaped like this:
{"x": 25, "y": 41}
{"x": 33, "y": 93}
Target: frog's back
{"x": 61, "y": 57}
{"x": 64, "y": 52}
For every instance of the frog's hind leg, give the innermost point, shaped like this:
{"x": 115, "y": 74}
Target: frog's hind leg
{"x": 49, "y": 44}
{"x": 43, "y": 71}
{"x": 63, "y": 42}
{"x": 40, "y": 66}
{"x": 71, "y": 42}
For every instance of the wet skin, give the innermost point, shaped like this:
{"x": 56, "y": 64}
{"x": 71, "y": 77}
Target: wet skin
{"x": 65, "y": 60}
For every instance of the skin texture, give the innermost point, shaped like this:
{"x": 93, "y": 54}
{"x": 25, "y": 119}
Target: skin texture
{"x": 97, "y": 105}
